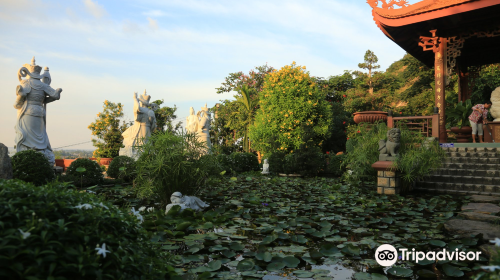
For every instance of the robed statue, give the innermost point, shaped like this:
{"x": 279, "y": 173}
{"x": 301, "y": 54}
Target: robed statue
{"x": 200, "y": 124}
{"x": 32, "y": 97}
{"x": 140, "y": 131}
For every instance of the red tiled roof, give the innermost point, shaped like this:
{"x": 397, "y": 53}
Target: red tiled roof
{"x": 424, "y": 6}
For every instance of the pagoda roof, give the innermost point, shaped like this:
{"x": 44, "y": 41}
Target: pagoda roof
{"x": 475, "y": 21}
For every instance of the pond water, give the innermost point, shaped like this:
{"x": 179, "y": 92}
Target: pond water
{"x": 308, "y": 229}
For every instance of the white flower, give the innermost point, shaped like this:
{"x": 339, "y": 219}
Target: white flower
{"x": 350, "y": 172}
{"x": 150, "y": 209}
{"x": 496, "y": 241}
{"x": 103, "y": 206}
{"x": 24, "y": 234}
{"x": 102, "y": 251}
{"x": 142, "y": 208}
{"x": 138, "y": 215}
{"x": 84, "y": 206}
{"x": 491, "y": 267}
{"x": 90, "y": 191}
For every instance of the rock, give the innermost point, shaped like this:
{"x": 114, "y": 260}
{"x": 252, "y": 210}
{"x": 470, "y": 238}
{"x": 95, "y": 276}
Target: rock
{"x": 485, "y": 208}
{"x": 485, "y": 198}
{"x": 475, "y": 216}
{"x": 466, "y": 228}
{"x": 489, "y": 250}
{"x": 5, "y": 163}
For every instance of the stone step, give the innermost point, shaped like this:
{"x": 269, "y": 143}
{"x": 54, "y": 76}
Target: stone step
{"x": 466, "y": 172}
{"x": 452, "y": 191}
{"x": 470, "y": 149}
{"x": 473, "y": 154}
{"x": 467, "y": 188}
{"x": 468, "y": 228}
{"x": 457, "y": 179}
{"x": 474, "y": 216}
{"x": 485, "y": 198}
{"x": 471, "y": 166}
{"x": 481, "y": 160}
{"x": 483, "y": 208}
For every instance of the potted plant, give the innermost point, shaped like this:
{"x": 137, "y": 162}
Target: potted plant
{"x": 458, "y": 120}
{"x": 369, "y": 116}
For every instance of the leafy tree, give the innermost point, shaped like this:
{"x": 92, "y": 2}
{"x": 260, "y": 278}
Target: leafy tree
{"x": 254, "y": 79}
{"x": 488, "y": 80}
{"x": 289, "y": 101}
{"x": 164, "y": 117}
{"x": 223, "y": 136}
{"x": 370, "y": 63}
{"x": 248, "y": 104}
{"x": 108, "y": 130}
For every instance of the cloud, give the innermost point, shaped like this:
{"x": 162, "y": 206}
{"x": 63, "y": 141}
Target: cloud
{"x": 94, "y": 8}
{"x": 154, "y": 13}
{"x": 153, "y": 24}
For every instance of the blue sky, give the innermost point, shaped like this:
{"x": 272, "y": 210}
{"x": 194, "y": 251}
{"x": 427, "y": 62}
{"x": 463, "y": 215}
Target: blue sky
{"x": 178, "y": 50}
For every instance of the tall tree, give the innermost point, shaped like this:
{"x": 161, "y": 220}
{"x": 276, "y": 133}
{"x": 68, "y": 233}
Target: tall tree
{"x": 370, "y": 64}
{"x": 248, "y": 105}
{"x": 164, "y": 118}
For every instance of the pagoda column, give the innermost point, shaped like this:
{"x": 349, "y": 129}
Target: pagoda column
{"x": 438, "y": 46}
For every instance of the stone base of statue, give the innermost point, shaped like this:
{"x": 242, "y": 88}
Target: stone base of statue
{"x": 386, "y": 157}
{"x": 388, "y": 180}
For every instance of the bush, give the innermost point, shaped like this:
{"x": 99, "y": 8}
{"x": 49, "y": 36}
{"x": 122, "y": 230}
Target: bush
{"x": 212, "y": 164}
{"x": 335, "y": 166}
{"x": 90, "y": 177}
{"x": 32, "y": 166}
{"x": 46, "y": 236}
{"x": 414, "y": 161}
{"x": 243, "y": 162}
{"x": 119, "y": 162}
{"x": 170, "y": 163}
{"x": 276, "y": 162}
{"x": 306, "y": 162}
{"x": 290, "y": 165}
{"x": 226, "y": 162}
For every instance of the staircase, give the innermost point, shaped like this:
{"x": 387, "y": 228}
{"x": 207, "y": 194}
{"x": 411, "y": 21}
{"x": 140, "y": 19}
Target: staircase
{"x": 467, "y": 169}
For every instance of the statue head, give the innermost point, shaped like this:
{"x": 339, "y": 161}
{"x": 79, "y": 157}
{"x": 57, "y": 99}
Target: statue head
{"x": 144, "y": 99}
{"x": 191, "y": 111}
{"x": 154, "y": 106}
{"x": 32, "y": 70}
{"x": 176, "y": 198}
{"x": 394, "y": 135}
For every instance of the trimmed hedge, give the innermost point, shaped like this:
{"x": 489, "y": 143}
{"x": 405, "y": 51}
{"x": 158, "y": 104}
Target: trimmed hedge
{"x": 33, "y": 167}
{"x": 91, "y": 176}
{"x": 119, "y": 162}
{"x": 243, "y": 162}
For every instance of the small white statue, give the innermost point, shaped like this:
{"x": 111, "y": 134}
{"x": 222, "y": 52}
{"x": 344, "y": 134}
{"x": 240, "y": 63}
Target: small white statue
{"x": 265, "y": 167}
{"x": 495, "y": 104}
{"x": 192, "y": 121}
{"x": 32, "y": 97}
{"x": 145, "y": 123}
{"x": 200, "y": 124}
{"x": 184, "y": 202}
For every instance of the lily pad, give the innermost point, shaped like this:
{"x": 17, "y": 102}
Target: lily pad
{"x": 437, "y": 243}
{"x": 452, "y": 271}
{"x": 276, "y": 266}
{"x": 291, "y": 261}
{"x": 400, "y": 272}
{"x": 425, "y": 273}
{"x": 245, "y": 265}
{"x": 303, "y": 273}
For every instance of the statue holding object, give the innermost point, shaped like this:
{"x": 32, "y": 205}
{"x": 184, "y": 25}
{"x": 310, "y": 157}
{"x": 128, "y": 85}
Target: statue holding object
{"x": 145, "y": 123}
{"x": 32, "y": 97}
{"x": 200, "y": 124}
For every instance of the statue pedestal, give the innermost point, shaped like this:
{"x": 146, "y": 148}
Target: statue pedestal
{"x": 389, "y": 180}
{"x": 494, "y": 129}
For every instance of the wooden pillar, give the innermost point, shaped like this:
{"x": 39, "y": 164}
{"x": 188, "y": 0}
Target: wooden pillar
{"x": 438, "y": 46}
{"x": 440, "y": 73}
{"x": 463, "y": 86}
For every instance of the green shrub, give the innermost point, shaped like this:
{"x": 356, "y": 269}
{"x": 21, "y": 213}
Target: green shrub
{"x": 335, "y": 166}
{"x": 90, "y": 177}
{"x": 119, "y": 162}
{"x": 170, "y": 163}
{"x": 306, "y": 162}
{"x": 225, "y": 161}
{"x": 212, "y": 164}
{"x": 414, "y": 161}
{"x": 47, "y": 234}
{"x": 276, "y": 161}
{"x": 243, "y": 162}
{"x": 290, "y": 165}
{"x": 32, "y": 166}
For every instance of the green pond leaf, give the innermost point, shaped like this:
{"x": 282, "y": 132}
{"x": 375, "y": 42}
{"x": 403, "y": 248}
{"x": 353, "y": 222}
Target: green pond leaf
{"x": 468, "y": 241}
{"x": 425, "y": 273}
{"x": 303, "y": 273}
{"x": 362, "y": 276}
{"x": 183, "y": 226}
{"x": 351, "y": 250}
{"x": 291, "y": 261}
{"x": 214, "y": 265}
{"x": 452, "y": 271}
{"x": 234, "y": 179}
{"x": 245, "y": 265}
{"x": 400, "y": 272}
{"x": 298, "y": 239}
{"x": 254, "y": 274}
{"x": 217, "y": 248}
{"x": 170, "y": 247}
{"x": 264, "y": 256}
{"x": 81, "y": 169}
{"x": 437, "y": 243}
{"x": 376, "y": 276}
{"x": 228, "y": 253}
{"x": 237, "y": 246}
{"x": 329, "y": 250}
{"x": 275, "y": 266}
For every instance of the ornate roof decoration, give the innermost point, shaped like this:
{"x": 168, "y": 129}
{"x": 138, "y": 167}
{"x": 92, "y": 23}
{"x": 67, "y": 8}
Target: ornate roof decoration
{"x": 388, "y": 8}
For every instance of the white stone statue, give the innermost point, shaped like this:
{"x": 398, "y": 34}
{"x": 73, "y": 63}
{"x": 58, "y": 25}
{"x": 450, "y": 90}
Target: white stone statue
{"x": 204, "y": 127}
{"x": 31, "y": 103}
{"x": 495, "y": 104}
{"x": 265, "y": 167}
{"x": 192, "y": 121}
{"x": 145, "y": 123}
{"x": 184, "y": 202}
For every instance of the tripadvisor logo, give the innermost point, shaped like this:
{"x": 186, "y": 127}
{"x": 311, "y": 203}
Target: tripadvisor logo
{"x": 387, "y": 255}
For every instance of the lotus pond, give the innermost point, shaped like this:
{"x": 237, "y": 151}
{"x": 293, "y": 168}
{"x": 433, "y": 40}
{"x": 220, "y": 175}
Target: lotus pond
{"x": 282, "y": 228}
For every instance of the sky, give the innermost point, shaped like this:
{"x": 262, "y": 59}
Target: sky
{"x": 176, "y": 50}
